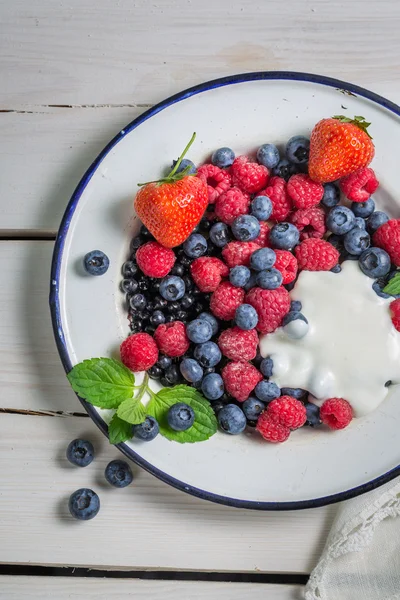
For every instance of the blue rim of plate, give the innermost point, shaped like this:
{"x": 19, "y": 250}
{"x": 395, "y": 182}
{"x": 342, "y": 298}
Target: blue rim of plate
{"x": 341, "y": 86}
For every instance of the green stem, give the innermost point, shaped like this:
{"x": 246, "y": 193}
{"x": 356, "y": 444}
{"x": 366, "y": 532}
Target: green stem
{"x": 142, "y": 387}
{"x": 182, "y": 156}
{"x": 173, "y": 176}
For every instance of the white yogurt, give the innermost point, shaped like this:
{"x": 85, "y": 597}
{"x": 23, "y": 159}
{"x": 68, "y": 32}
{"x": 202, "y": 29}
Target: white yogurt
{"x": 351, "y": 349}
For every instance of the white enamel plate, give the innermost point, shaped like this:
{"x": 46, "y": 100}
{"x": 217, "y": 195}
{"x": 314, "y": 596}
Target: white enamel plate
{"x": 90, "y": 320}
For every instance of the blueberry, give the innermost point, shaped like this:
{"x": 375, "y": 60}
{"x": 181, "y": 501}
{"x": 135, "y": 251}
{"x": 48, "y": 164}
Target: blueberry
{"x": 284, "y": 169}
{"x": 331, "y": 195}
{"x": 164, "y": 362}
{"x": 208, "y": 354}
{"x": 96, "y": 262}
{"x": 172, "y": 375}
{"x": 204, "y": 225}
{"x": 337, "y": 242}
{"x": 231, "y": 419}
{"x": 297, "y": 393}
{"x": 118, "y": 473}
{"x": 246, "y": 228}
{"x": 223, "y": 157}
{"x": 360, "y": 222}
{"x": 212, "y": 386}
{"x": 239, "y": 276}
{"x": 191, "y": 370}
{"x": 252, "y": 282}
{"x": 208, "y": 370}
{"x": 336, "y": 269}
{"x": 147, "y": 430}
{"x": 377, "y": 219}
{"x": 267, "y": 391}
{"x": 157, "y": 318}
{"x": 298, "y": 149}
{"x": 199, "y": 331}
{"x": 246, "y": 317}
{"x": 187, "y": 301}
{"x": 195, "y": 245}
{"x": 84, "y": 504}
{"x": 155, "y": 372}
{"x": 356, "y": 241}
{"x": 252, "y": 408}
{"x": 269, "y": 279}
{"x": 136, "y": 242}
{"x": 340, "y": 220}
{"x": 284, "y": 236}
{"x": 313, "y": 417}
{"x": 204, "y": 316}
{"x": 180, "y": 416}
{"x": 267, "y": 366}
{"x": 261, "y": 208}
{"x": 185, "y": 163}
{"x": 363, "y": 209}
{"x": 172, "y": 288}
{"x": 377, "y": 287}
{"x": 268, "y": 155}
{"x": 138, "y": 301}
{"x": 295, "y": 305}
{"x": 219, "y": 234}
{"x": 217, "y": 405}
{"x": 178, "y": 269}
{"x": 80, "y": 453}
{"x": 374, "y": 262}
{"x": 129, "y": 269}
{"x": 261, "y": 259}
{"x": 295, "y": 325}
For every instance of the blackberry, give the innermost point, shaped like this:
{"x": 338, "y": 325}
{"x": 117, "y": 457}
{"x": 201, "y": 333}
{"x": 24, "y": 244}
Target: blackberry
{"x": 160, "y": 303}
{"x": 170, "y": 318}
{"x": 178, "y": 269}
{"x": 173, "y": 307}
{"x": 189, "y": 285}
{"x": 187, "y": 302}
{"x": 204, "y": 225}
{"x": 182, "y": 315}
{"x": 143, "y": 285}
{"x": 155, "y": 286}
{"x": 150, "y": 329}
{"x": 198, "y": 307}
{"x": 186, "y": 261}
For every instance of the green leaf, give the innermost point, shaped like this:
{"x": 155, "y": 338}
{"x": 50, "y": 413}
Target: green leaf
{"x": 205, "y": 424}
{"x": 103, "y": 382}
{"x": 119, "y": 430}
{"x": 393, "y": 287}
{"x": 132, "y": 411}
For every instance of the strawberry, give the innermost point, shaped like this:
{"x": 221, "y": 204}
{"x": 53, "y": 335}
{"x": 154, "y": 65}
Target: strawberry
{"x": 172, "y": 207}
{"x": 339, "y": 146}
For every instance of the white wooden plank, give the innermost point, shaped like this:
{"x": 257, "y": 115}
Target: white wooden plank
{"x": 96, "y": 51}
{"x": 148, "y": 525}
{"x": 68, "y": 588}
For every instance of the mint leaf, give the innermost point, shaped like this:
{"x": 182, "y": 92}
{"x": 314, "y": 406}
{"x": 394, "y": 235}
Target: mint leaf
{"x": 393, "y": 287}
{"x": 119, "y": 430}
{"x": 103, "y": 382}
{"x": 132, "y": 411}
{"x": 205, "y": 424}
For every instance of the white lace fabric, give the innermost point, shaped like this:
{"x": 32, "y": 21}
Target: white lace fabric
{"x": 361, "y": 559}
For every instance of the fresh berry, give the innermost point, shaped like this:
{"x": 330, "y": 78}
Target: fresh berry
{"x": 284, "y": 236}
{"x": 225, "y": 300}
{"x": 262, "y": 259}
{"x": 210, "y": 319}
{"x": 155, "y": 372}
{"x": 267, "y": 391}
{"x": 237, "y": 344}
{"x": 199, "y": 331}
{"x": 270, "y": 430}
{"x": 271, "y": 307}
{"x": 217, "y": 181}
{"x": 356, "y": 241}
{"x": 208, "y": 354}
{"x": 295, "y": 325}
{"x": 387, "y": 236}
{"x": 331, "y": 195}
{"x": 360, "y": 223}
{"x": 231, "y": 419}
{"x": 207, "y": 272}
{"x": 164, "y": 362}
{"x": 180, "y": 416}
{"x": 261, "y": 208}
{"x": 219, "y": 234}
{"x": 246, "y": 317}
{"x": 338, "y": 147}
{"x": 252, "y": 408}
{"x": 298, "y": 149}
{"x": 374, "y": 262}
{"x": 118, "y": 473}
{"x": 286, "y": 263}
{"x": 191, "y": 370}
{"x": 147, "y": 430}
{"x": 336, "y": 413}
{"x": 377, "y": 219}
{"x": 171, "y": 339}
{"x": 138, "y": 301}
{"x": 195, "y": 245}
{"x": 287, "y": 411}
{"x": 313, "y": 417}
{"x": 231, "y": 204}
{"x": 297, "y": 393}
{"x": 395, "y": 310}
{"x": 240, "y": 379}
{"x": 304, "y": 192}
{"x": 223, "y": 157}
{"x": 129, "y": 269}
{"x": 245, "y": 228}
{"x": 96, "y": 262}
{"x": 171, "y": 376}
{"x": 239, "y": 276}
{"x": 139, "y": 352}
{"x": 268, "y": 155}
{"x": 239, "y": 253}
{"x": 284, "y": 169}
{"x": 316, "y": 255}
{"x": 212, "y": 386}
{"x": 248, "y": 176}
{"x": 155, "y": 260}
{"x": 186, "y": 165}
{"x": 263, "y": 237}
{"x": 84, "y": 504}
{"x": 157, "y": 318}
{"x": 252, "y": 282}
{"x": 340, "y": 220}
{"x": 267, "y": 366}
{"x": 172, "y": 288}
{"x": 310, "y": 222}
{"x": 281, "y": 201}
{"x": 363, "y": 209}
{"x": 80, "y": 452}
{"x": 269, "y": 279}
{"x": 358, "y": 186}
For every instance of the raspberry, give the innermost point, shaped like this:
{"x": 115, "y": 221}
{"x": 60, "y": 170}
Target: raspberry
{"x": 207, "y": 273}
{"x": 263, "y": 237}
{"x": 155, "y": 260}
{"x": 287, "y": 411}
{"x": 310, "y": 222}
{"x": 281, "y": 202}
{"x": 240, "y": 379}
{"x": 304, "y": 192}
{"x": 231, "y": 204}
{"x": 271, "y": 307}
{"x": 139, "y": 352}
{"x": 387, "y": 236}
{"x": 248, "y": 176}
{"x": 316, "y": 255}
{"x": 217, "y": 180}
{"x": 225, "y": 300}
{"x": 358, "y": 186}
{"x": 271, "y": 430}
{"x": 238, "y": 253}
{"x": 238, "y": 344}
{"x": 171, "y": 338}
{"x": 395, "y": 310}
{"x": 336, "y": 413}
{"x": 286, "y": 263}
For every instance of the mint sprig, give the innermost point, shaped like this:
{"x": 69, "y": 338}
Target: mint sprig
{"x": 393, "y": 287}
{"x": 132, "y": 411}
{"x": 119, "y": 431}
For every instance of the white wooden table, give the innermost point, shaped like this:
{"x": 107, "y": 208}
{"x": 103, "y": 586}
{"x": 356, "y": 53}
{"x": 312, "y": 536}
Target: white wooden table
{"x": 73, "y": 72}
